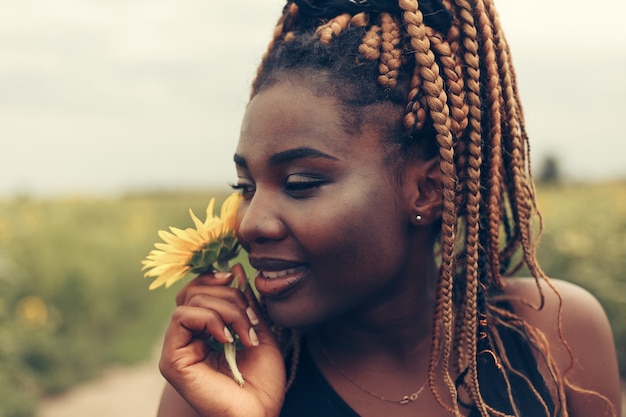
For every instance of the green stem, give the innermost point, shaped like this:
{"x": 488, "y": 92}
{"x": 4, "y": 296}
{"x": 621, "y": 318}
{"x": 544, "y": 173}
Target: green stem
{"x": 221, "y": 266}
{"x": 230, "y": 353}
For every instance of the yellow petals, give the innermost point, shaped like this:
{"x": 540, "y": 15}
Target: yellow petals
{"x": 187, "y": 250}
{"x": 229, "y": 210}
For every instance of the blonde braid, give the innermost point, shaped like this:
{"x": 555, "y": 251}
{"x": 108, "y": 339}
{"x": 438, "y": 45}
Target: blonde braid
{"x": 359, "y": 20}
{"x": 494, "y": 103}
{"x": 472, "y": 233}
{"x": 510, "y": 78}
{"x": 467, "y": 331}
{"x": 370, "y": 48}
{"x": 454, "y": 81}
{"x": 472, "y": 219}
{"x": 471, "y": 66}
{"x": 390, "y": 54}
{"x": 432, "y": 84}
{"x": 415, "y": 112}
{"x": 510, "y": 98}
{"x": 499, "y": 344}
{"x": 328, "y": 31}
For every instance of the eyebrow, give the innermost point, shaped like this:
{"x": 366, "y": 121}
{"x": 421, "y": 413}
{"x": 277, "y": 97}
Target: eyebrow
{"x": 288, "y": 156}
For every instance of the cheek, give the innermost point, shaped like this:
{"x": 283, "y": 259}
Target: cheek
{"x": 364, "y": 233}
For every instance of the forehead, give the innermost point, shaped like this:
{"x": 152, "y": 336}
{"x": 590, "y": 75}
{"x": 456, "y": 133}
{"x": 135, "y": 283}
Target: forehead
{"x": 289, "y": 114}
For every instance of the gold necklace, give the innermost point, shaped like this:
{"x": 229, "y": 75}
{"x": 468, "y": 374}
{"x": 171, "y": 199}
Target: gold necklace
{"x": 402, "y": 401}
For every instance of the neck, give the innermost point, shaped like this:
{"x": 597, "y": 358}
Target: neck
{"x": 397, "y": 325}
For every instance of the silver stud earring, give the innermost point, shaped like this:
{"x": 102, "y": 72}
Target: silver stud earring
{"x": 418, "y": 218}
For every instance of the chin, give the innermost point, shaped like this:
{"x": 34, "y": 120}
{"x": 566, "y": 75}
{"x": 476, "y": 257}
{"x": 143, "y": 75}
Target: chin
{"x": 292, "y": 314}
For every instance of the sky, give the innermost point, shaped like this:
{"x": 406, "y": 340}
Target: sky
{"x": 114, "y": 96}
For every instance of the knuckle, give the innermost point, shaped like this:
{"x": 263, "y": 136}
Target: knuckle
{"x": 178, "y": 314}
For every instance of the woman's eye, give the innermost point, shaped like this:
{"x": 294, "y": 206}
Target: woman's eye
{"x": 302, "y": 185}
{"x": 245, "y": 189}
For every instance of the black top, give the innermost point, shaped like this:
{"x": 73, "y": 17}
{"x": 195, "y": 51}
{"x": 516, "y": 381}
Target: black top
{"x": 312, "y": 396}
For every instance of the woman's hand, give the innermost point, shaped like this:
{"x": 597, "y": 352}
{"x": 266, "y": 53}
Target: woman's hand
{"x": 201, "y": 375}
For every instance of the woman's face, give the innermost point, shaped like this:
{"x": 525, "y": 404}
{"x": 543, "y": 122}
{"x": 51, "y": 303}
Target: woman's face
{"x": 323, "y": 219}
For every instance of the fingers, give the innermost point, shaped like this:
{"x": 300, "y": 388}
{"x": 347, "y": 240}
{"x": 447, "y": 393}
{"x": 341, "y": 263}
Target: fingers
{"x": 222, "y": 315}
{"x": 218, "y": 279}
{"x": 258, "y": 319}
{"x": 236, "y": 278}
{"x": 225, "y": 312}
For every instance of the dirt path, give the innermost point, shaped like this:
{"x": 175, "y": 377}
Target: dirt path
{"x": 119, "y": 393}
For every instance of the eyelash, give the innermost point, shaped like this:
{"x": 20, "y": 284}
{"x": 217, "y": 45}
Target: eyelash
{"x": 295, "y": 188}
{"x": 243, "y": 188}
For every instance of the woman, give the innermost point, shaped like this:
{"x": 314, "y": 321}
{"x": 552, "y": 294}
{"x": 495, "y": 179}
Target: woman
{"x": 384, "y": 167}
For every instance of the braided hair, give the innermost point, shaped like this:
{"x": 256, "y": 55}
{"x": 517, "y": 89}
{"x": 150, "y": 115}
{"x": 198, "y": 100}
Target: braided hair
{"x": 446, "y": 65}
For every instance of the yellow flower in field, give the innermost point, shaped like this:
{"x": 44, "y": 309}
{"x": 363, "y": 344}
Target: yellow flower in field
{"x": 206, "y": 248}
{"x": 33, "y": 310}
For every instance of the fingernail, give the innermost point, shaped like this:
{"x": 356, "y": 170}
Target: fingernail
{"x": 228, "y": 335}
{"x": 253, "y": 318}
{"x": 253, "y": 337}
{"x": 222, "y": 275}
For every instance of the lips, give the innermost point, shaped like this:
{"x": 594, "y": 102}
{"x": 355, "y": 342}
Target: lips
{"x": 277, "y": 277}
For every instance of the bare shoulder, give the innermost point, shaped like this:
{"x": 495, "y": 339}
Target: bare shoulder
{"x": 581, "y": 328}
{"x": 578, "y": 305}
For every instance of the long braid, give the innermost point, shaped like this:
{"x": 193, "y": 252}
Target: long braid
{"x": 513, "y": 96}
{"x": 510, "y": 111}
{"x": 473, "y": 201}
{"x": 452, "y": 71}
{"x": 472, "y": 218}
{"x": 511, "y": 117}
{"x": 472, "y": 233}
{"x": 471, "y": 267}
{"x": 494, "y": 102}
{"x": 460, "y": 118}
{"x": 432, "y": 84}
{"x": 514, "y": 112}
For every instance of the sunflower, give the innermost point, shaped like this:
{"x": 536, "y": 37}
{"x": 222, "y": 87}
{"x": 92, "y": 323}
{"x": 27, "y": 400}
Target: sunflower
{"x": 206, "y": 248}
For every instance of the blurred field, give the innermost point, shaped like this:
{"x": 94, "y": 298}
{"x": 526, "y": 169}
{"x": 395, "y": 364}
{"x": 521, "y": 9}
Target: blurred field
{"x": 73, "y": 300}
{"x": 585, "y": 242}
{"x": 72, "y": 296}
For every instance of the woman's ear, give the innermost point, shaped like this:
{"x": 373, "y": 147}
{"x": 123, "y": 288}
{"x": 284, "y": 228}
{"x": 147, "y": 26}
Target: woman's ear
{"x": 422, "y": 187}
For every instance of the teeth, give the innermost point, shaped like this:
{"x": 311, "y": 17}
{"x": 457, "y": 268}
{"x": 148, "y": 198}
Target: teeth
{"x": 278, "y": 274}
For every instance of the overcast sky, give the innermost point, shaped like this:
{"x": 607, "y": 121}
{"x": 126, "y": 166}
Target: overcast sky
{"x": 104, "y": 96}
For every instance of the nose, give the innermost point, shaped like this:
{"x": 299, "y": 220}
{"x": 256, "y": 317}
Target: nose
{"x": 261, "y": 220}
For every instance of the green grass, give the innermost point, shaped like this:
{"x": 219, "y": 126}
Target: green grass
{"x": 72, "y": 295}
{"x": 73, "y": 299}
{"x": 585, "y": 242}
